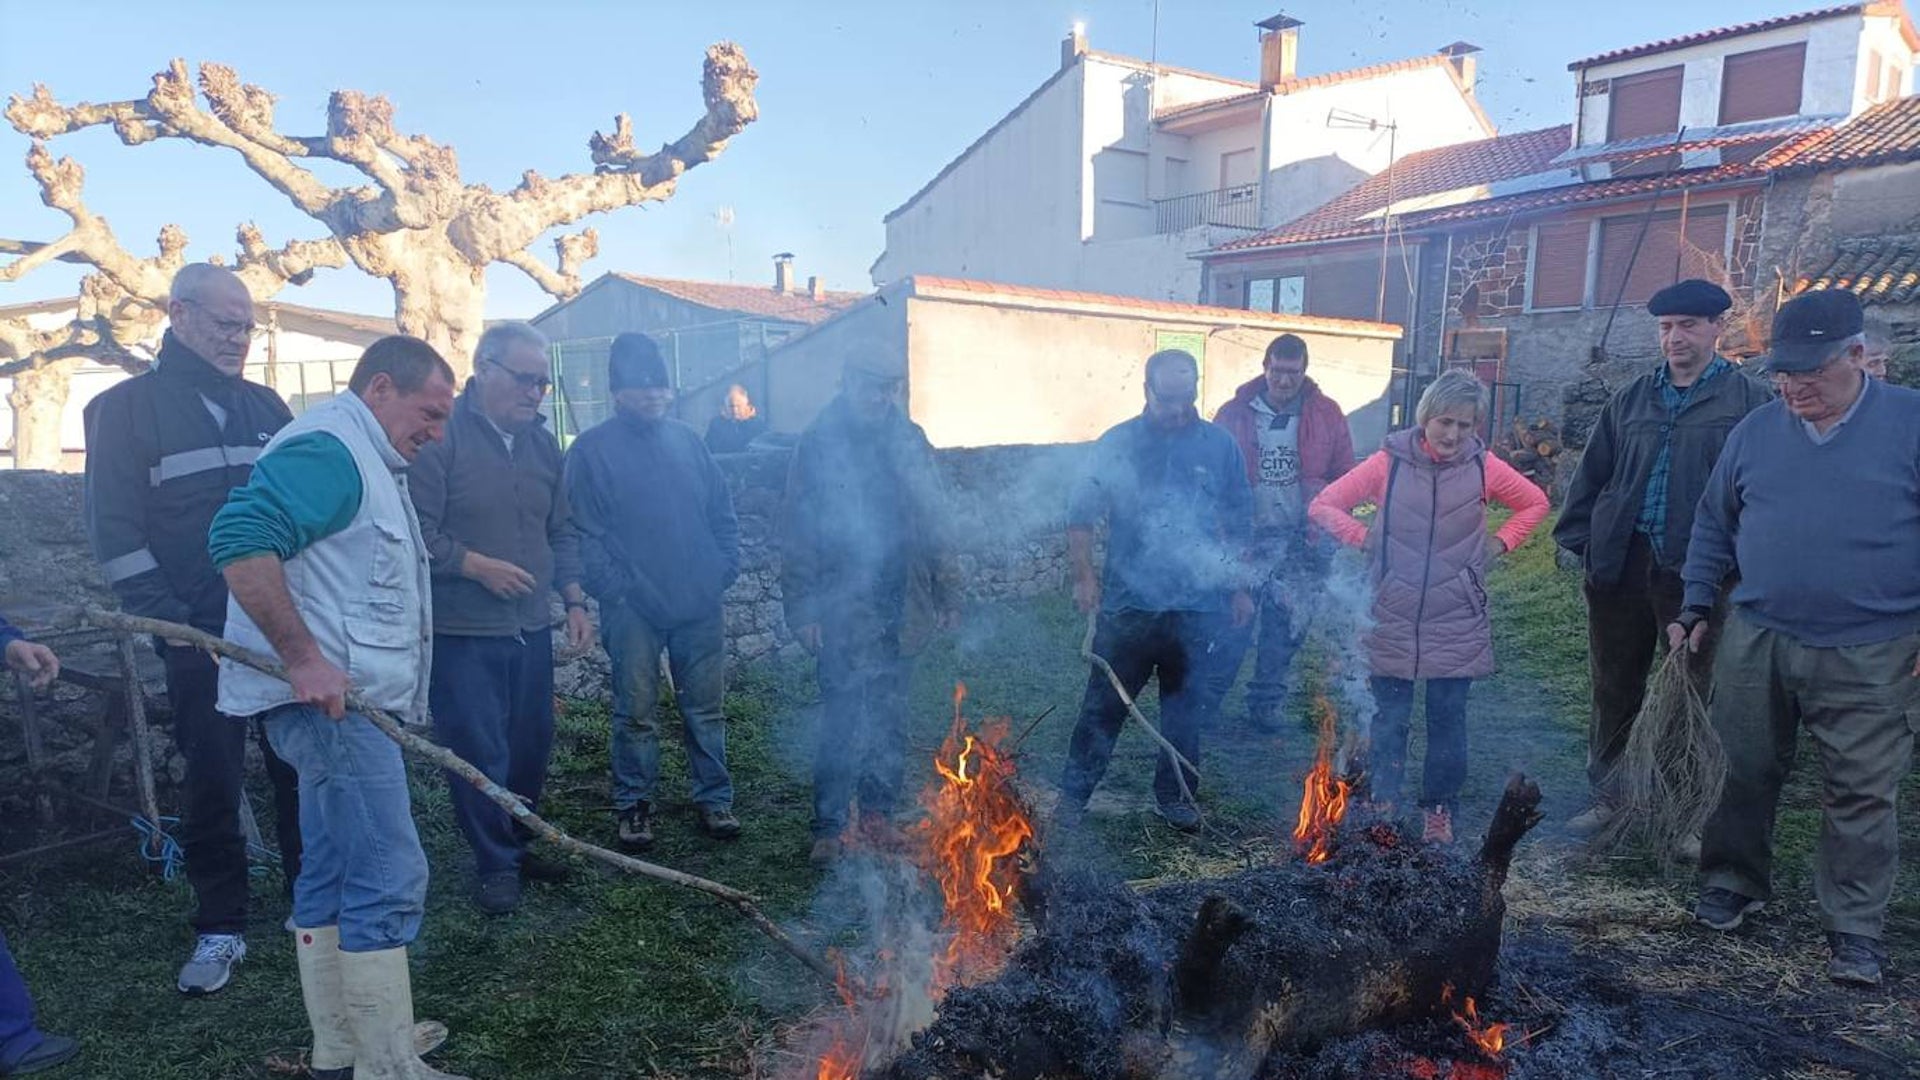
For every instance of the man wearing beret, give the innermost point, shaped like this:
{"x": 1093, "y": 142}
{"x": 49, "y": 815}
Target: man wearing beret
{"x": 1629, "y": 511}
{"x": 659, "y": 544}
{"x": 1815, "y": 507}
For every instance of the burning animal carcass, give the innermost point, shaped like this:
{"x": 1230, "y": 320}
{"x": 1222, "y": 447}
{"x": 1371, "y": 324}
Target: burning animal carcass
{"x": 1206, "y": 979}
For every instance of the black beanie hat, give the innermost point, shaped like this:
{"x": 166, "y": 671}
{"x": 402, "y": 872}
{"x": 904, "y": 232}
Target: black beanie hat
{"x": 635, "y": 363}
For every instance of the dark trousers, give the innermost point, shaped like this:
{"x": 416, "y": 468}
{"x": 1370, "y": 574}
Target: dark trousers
{"x": 1185, "y": 649}
{"x": 1626, "y": 631}
{"x": 1445, "y": 769}
{"x": 215, "y": 748}
{"x": 861, "y": 748}
{"x": 492, "y": 701}
{"x": 18, "y": 1036}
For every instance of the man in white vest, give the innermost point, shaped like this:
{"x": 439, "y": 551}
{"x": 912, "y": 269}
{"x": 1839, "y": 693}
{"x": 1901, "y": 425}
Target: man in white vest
{"x": 323, "y": 558}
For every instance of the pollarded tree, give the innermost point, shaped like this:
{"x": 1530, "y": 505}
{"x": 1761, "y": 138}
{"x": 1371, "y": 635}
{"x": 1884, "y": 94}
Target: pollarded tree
{"x": 414, "y": 223}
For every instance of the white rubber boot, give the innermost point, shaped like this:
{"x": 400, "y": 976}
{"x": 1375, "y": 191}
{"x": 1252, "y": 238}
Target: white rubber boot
{"x": 378, "y": 992}
{"x": 318, "y": 950}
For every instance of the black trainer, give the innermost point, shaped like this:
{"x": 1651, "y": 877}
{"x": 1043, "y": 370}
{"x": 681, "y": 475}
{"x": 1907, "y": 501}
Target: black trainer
{"x": 1856, "y": 959}
{"x": 1182, "y": 816}
{"x": 1724, "y": 909}
{"x": 636, "y": 827}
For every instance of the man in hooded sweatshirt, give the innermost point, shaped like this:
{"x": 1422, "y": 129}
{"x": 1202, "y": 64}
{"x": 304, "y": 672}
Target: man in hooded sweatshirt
{"x": 1295, "y": 441}
{"x": 659, "y": 545}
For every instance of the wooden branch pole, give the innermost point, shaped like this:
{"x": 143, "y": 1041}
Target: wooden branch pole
{"x": 141, "y": 734}
{"x": 742, "y": 903}
{"x": 1180, "y": 762}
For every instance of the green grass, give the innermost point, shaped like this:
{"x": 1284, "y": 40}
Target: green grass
{"x": 619, "y": 977}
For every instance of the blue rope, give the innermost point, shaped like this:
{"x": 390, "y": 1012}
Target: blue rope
{"x": 157, "y": 845}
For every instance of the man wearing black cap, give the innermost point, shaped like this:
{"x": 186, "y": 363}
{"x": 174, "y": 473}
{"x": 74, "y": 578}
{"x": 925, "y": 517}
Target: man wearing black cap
{"x": 1630, "y": 507}
{"x": 659, "y": 545}
{"x": 1815, "y": 507}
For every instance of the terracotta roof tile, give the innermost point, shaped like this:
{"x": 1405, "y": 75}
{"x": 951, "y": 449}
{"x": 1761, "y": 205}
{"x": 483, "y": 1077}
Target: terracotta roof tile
{"x": 755, "y": 300}
{"x": 924, "y": 285}
{"x": 1879, "y": 269}
{"x": 1723, "y": 32}
{"x": 1884, "y": 134}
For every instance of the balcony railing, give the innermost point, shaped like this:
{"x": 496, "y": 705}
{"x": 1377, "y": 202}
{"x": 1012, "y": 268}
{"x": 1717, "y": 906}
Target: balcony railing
{"x": 1236, "y": 207}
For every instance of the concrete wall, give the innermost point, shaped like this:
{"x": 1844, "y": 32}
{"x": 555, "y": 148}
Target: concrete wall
{"x": 803, "y": 375}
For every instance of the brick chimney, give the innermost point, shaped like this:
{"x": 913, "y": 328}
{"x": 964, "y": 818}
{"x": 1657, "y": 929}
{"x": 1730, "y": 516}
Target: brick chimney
{"x": 783, "y": 272}
{"x": 1279, "y": 50}
{"x": 1460, "y": 55}
{"x": 816, "y": 288}
{"x": 1074, "y": 45}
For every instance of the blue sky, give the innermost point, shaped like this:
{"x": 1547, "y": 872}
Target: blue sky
{"x": 861, "y": 102}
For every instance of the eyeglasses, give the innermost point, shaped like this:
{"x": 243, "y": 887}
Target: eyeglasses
{"x": 227, "y": 327}
{"x": 527, "y": 382}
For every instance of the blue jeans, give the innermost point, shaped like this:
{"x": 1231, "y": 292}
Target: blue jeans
{"x": 492, "y": 700}
{"x": 1273, "y": 652}
{"x": 861, "y": 748}
{"x": 18, "y": 1036}
{"x": 697, "y": 656}
{"x": 1184, "y": 649}
{"x": 1445, "y": 769}
{"x": 362, "y": 867}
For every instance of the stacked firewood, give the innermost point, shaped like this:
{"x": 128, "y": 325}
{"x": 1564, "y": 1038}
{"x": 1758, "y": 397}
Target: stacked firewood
{"x": 1533, "y": 448}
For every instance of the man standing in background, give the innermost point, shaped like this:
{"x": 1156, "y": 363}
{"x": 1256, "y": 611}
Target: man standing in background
{"x": 659, "y": 546}
{"x": 1629, "y": 512}
{"x": 164, "y": 450}
{"x": 867, "y": 577}
{"x": 1295, "y": 441}
{"x": 494, "y": 517}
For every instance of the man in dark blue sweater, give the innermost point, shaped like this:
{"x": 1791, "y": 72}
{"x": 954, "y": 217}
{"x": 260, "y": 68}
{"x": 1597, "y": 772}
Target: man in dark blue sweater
{"x": 1815, "y": 504}
{"x": 659, "y": 544}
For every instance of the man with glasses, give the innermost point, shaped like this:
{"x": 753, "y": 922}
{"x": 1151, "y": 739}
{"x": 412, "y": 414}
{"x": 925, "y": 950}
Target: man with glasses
{"x": 164, "y": 449}
{"x": 1815, "y": 507}
{"x": 659, "y": 545}
{"x": 866, "y": 576}
{"x": 494, "y": 516}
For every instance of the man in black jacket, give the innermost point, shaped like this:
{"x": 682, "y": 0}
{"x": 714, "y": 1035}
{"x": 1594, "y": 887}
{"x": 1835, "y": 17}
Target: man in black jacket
{"x": 494, "y": 516}
{"x": 1629, "y": 512}
{"x": 163, "y": 451}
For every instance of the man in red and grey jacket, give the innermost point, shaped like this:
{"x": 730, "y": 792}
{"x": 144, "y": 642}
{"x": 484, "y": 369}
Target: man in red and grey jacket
{"x": 1295, "y": 441}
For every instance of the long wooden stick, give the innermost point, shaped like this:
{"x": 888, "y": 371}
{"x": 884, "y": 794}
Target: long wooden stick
{"x": 1180, "y": 762}
{"x": 742, "y": 903}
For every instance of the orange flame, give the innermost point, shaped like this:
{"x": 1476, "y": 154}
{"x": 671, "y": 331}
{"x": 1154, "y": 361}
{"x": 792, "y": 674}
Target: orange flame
{"x": 1324, "y": 802}
{"x": 846, "y": 1054}
{"x": 975, "y": 825}
{"x": 1490, "y": 1038}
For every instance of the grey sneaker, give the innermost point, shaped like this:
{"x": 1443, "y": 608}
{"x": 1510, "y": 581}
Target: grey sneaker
{"x": 636, "y": 827}
{"x": 497, "y": 894}
{"x": 719, "y": 823}
{"x": 1590, "y": 821}
{"x": 212, "y": 964}
{"x": 1856, "y": 959}
{"x": 1724, "y": 909}
{"x": 1183, "y": 816}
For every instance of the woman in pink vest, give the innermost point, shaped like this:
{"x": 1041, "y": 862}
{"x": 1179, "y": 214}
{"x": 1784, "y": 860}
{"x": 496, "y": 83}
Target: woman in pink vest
{"x": 1427, "y": 543}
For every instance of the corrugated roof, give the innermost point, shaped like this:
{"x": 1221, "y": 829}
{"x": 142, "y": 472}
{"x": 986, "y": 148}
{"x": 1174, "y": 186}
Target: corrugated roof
{"x": 756, "y": 300}
{"x": 1466, "y": 181}
{"x": 1722, "y": 33}
{"x": 1880, "y": 270}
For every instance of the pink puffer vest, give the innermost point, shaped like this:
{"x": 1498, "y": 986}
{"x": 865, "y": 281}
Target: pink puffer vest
{"x": 1429, "y": 565}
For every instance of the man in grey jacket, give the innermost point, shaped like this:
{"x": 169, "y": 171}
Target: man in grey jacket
{"x": 494, "y": 516}
{"x": 659, "y": 544}
{"x": 1630, "y": 508}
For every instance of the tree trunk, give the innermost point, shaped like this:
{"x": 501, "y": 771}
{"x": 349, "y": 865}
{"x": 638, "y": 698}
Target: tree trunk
{"x": 442, "y": 299}
{"x": 39, "y": 400}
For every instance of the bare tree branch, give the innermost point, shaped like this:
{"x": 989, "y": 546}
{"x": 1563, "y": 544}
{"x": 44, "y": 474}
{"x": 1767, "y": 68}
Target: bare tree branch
{"x": 60, "y": 188}
{"x": 573, "y": 251}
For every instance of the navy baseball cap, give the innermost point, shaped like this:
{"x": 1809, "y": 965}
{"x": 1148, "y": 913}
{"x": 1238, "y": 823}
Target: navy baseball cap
{"x": 1808, "y": 328}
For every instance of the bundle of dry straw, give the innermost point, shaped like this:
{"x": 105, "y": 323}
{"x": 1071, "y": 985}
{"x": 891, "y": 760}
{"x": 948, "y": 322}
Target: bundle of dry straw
{"x": 1672, "y": 770}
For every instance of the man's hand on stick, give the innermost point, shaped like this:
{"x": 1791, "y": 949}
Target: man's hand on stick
{"x": 318, "y": 683}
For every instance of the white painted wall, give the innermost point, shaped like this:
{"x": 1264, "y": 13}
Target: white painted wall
{"x": 1882, "y": 34}
{"x": 1833, "y": 82}
{"x": 1312, "y": 162}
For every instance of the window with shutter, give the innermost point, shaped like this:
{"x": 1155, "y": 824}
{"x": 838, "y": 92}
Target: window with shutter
{"x": 1661, "y": 259}
{"x": 1762, "y": 84}
{"x": 1559, "y": 265}
{"x": 1644, "y": 104}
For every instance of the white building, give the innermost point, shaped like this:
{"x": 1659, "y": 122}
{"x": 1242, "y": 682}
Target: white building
{"x": 305, "y": 353}
{"x": 1115, "y": 171}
